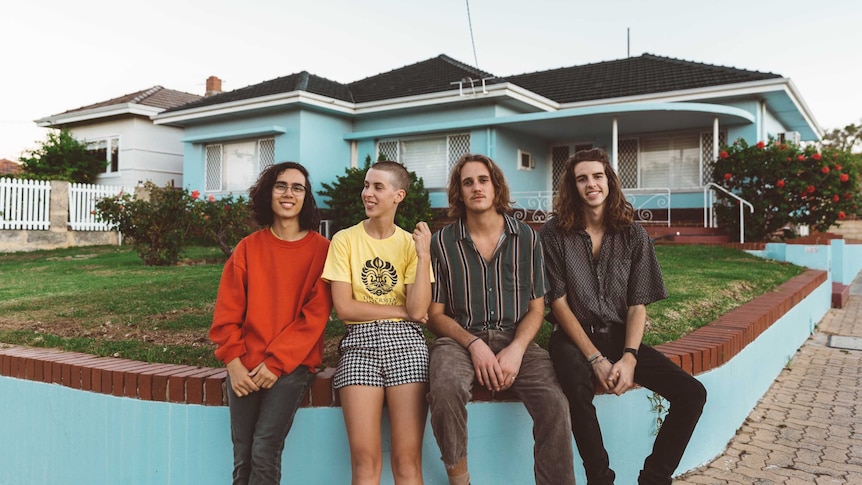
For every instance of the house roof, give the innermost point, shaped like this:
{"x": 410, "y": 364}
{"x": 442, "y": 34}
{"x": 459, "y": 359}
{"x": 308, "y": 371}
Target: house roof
{"x": 430, "y": 76}
{"x": 300, "y": 81}
{"x": 156, "y": 97}
{"x": 8, "y": 167}
{"x": 633, "y": 76}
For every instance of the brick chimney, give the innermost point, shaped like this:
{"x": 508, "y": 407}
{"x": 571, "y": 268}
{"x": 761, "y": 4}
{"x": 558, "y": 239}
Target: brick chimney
{"x": 213, "y": 86}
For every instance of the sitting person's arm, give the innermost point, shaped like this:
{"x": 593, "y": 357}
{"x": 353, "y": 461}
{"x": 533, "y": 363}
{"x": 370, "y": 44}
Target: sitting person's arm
{"x": 488, "y": 371}
{"x": 419, "y": 292}
{"x": 623, "y": 372}
{"x": 350, "y": 309}
{"x": 510, "y": 357}
{"x": 568, "y": 323}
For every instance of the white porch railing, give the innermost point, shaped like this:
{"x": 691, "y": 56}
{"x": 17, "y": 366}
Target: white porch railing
{"x": 82, "y": 205}
{"x": 24, "y": 204}
{"x": 709, "y": 219}
{"x": 647, "y": 202}
{"x": 537, "y": 206}
{"x": 533, "y": 206}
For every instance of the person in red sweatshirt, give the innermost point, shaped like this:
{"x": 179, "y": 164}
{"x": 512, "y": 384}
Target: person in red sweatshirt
{"x": 269, "y": 318}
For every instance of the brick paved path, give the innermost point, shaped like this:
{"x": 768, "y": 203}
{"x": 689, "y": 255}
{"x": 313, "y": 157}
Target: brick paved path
{"x": 807, "y": 428}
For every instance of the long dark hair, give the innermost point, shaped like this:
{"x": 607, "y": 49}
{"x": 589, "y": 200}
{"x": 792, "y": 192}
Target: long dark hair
{"x": 261, "y": 197}
{"x": 501, "y": 188}
{"x": 569, "y": 207}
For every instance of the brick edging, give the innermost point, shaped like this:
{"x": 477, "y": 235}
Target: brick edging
{"x": 705, "y": 348}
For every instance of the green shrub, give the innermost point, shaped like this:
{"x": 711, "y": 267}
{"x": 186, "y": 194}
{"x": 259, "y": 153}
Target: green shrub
{"x": 787, "y": 185}
{"x": 222, "y": 221}
{"x": 345, "y": 201}
{"x": 62, "y": 157}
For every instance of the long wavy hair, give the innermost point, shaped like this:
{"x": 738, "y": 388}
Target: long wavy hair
{"x": 569, "y": 206}
{"x": 261, "y": 197}
{"x": 502, "y": 203}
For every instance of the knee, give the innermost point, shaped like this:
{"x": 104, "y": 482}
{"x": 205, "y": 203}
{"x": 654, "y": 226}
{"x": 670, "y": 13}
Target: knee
{"x": 698, "y": 396}
{"x": 366, "y": 467}
{"x": 406, "y": 468}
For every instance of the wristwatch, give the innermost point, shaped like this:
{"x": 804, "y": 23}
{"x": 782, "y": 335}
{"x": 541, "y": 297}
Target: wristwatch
{"x": 632, "y": 351}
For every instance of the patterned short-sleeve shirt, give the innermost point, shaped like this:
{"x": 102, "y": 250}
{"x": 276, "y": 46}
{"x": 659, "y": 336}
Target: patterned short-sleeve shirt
{"x": 600, "y": 290}
{"x": 483, "y": 295}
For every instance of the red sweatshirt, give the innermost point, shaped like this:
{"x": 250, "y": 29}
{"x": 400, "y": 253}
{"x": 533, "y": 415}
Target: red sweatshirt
{"x": 272, "y": 306}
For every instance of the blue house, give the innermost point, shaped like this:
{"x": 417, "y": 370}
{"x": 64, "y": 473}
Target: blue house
{"x": 661, "y": 119}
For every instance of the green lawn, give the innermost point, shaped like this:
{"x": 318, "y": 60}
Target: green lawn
{"x": 103, "y": 300}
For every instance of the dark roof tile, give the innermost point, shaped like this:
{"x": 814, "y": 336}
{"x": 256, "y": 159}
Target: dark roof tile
{"x": 646, "y": 74}
{"x": 156, "y": 97}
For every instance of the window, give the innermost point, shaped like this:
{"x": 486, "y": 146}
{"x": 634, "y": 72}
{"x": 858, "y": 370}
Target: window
{"x": 431, "y": 157}
{"x": 234, "y": 167}
{"x": 670, "y": 161}
{"x": 107, "y": 149}
{"x": 525, "y": 161}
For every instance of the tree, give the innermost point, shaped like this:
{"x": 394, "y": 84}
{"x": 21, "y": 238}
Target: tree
{"x": 847, "y": 139}
{"x": 62, "y": 157}
{"x": 787, "y": 185}
{"x": 345, "y": 203}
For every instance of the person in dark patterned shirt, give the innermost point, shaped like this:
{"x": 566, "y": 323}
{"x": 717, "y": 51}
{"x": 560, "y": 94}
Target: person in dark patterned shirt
{"x": 486, "y": 306}
{"x": 603, "y": 272}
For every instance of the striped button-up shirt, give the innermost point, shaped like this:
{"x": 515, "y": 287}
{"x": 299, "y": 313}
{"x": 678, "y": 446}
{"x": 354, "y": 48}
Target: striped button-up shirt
{"x": 483, "y": 295}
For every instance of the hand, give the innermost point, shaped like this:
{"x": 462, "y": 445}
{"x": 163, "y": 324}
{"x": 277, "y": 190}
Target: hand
{"x": 262, "y": 376}
{"x": 602, "y": 371}
{"x": 623, "y": 374}
{"x": 485, "y": 364}
{"x": 240, "y": 382}
{"x": 422, "y": 239}
{"x": 510, "y": 362}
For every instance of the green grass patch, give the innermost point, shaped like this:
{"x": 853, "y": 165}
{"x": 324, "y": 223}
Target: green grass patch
{"x": 102, "y": 300}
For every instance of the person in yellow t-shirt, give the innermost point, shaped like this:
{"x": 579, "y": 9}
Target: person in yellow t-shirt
{"x": 380, "y": 277}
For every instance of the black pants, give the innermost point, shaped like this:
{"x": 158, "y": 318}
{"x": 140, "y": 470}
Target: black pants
{"x": 655, "y": 372}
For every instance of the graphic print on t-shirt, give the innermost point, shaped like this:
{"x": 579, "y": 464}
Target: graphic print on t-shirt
{"x": 379, "y": 277}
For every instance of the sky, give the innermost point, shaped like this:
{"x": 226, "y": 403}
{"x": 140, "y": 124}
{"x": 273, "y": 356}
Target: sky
{"x": 60, "y": 55}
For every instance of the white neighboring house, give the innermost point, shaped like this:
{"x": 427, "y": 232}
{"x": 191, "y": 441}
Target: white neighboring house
{"x": 122, "y": 132}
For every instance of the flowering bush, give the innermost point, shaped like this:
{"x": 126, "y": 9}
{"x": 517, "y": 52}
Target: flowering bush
{"x": 156, "y": 226}
{"x": 160, "y": 226}
{"x": 787, "y": 185}
{"x": 222, "y": 221}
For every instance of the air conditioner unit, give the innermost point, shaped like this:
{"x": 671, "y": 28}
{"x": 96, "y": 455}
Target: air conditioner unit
{"x": 789, "y": 137}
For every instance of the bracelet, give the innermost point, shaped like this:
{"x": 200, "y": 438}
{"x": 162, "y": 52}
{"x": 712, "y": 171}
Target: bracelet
{"x": 599, "y": 361}
{"x": 471, "y": 343}
{"x": 594, "y": 357}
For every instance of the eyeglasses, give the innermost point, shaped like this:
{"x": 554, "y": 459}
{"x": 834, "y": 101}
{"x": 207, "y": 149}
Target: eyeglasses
{"x": 282, "y": 187}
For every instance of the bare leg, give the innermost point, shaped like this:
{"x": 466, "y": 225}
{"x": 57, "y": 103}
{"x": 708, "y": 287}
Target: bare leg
{"x": 363, "y": 407}
{"x": 407, "y": 412}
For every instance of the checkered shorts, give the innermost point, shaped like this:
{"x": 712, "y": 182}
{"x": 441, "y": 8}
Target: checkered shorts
{"x": 382, "y": 354}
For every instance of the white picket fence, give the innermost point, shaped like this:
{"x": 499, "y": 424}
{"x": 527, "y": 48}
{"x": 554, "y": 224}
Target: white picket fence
{"x": 24, "y": 204}
{"x": 82, "y": 205}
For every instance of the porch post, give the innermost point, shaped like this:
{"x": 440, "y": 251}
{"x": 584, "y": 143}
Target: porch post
{"x": 715, "y": 138}
{"x": 615, "y": 141}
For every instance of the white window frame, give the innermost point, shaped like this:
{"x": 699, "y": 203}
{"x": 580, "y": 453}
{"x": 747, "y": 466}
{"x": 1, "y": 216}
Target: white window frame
{"x": 524, "y": 156}
{"x": 215, "y": 176}
{"x": 110, "y": 142}
{"x": 399, "y": 145}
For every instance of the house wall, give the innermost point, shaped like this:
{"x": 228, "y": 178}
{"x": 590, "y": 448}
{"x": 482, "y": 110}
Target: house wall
{"x": 147, "y": 151}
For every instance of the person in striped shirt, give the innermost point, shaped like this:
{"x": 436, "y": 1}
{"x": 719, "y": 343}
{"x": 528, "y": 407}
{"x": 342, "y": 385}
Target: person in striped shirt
{"x": 487, "y": 306}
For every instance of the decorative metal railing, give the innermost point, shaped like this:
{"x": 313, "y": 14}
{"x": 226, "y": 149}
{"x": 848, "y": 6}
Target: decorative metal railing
{"x": 648, "y": 204}
{"x": 709, "y": 219}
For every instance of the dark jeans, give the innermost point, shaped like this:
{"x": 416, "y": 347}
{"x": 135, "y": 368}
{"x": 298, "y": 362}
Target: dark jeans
{"x": 451, "y": 382}
{"x": 655, "y": 372}
{"x": 259, "y": 423}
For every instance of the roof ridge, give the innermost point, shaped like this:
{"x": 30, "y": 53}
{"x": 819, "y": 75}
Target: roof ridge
{"x": 302, "y": 81}
{"x": 146, "y": 94}
{"x": 677, "y": 60}
{"x": 465, "y": 66}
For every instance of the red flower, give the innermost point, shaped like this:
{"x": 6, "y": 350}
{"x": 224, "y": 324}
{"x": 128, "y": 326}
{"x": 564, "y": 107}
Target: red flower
{"x": 226, "y": 207}
{"x": 810, "y": 189}
{"x": 835, "y": 198}
{"x": 722, "y": 154}
{"x": 848, "y": 196}
{"x": 780, "y": 183}
{"x": 838, "y": 167}
{"x": 195, "y": 194}
{"x": 760, "y": 145}
{"x": 801, "y": 158}
{"x": 789, "y": 159}
{"x": 844, "y": 177}
{"x": 728, "y": 176}
{"x": 825, "y": 169}
{"x": 783, "y": 146}
{"x": 841, "y": 215}
{"x": 816, "y": 156}
{"x": 211, "y": 198}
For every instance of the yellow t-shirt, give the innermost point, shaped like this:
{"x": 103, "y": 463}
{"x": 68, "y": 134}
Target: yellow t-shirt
{"x": 377, "y": 269}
